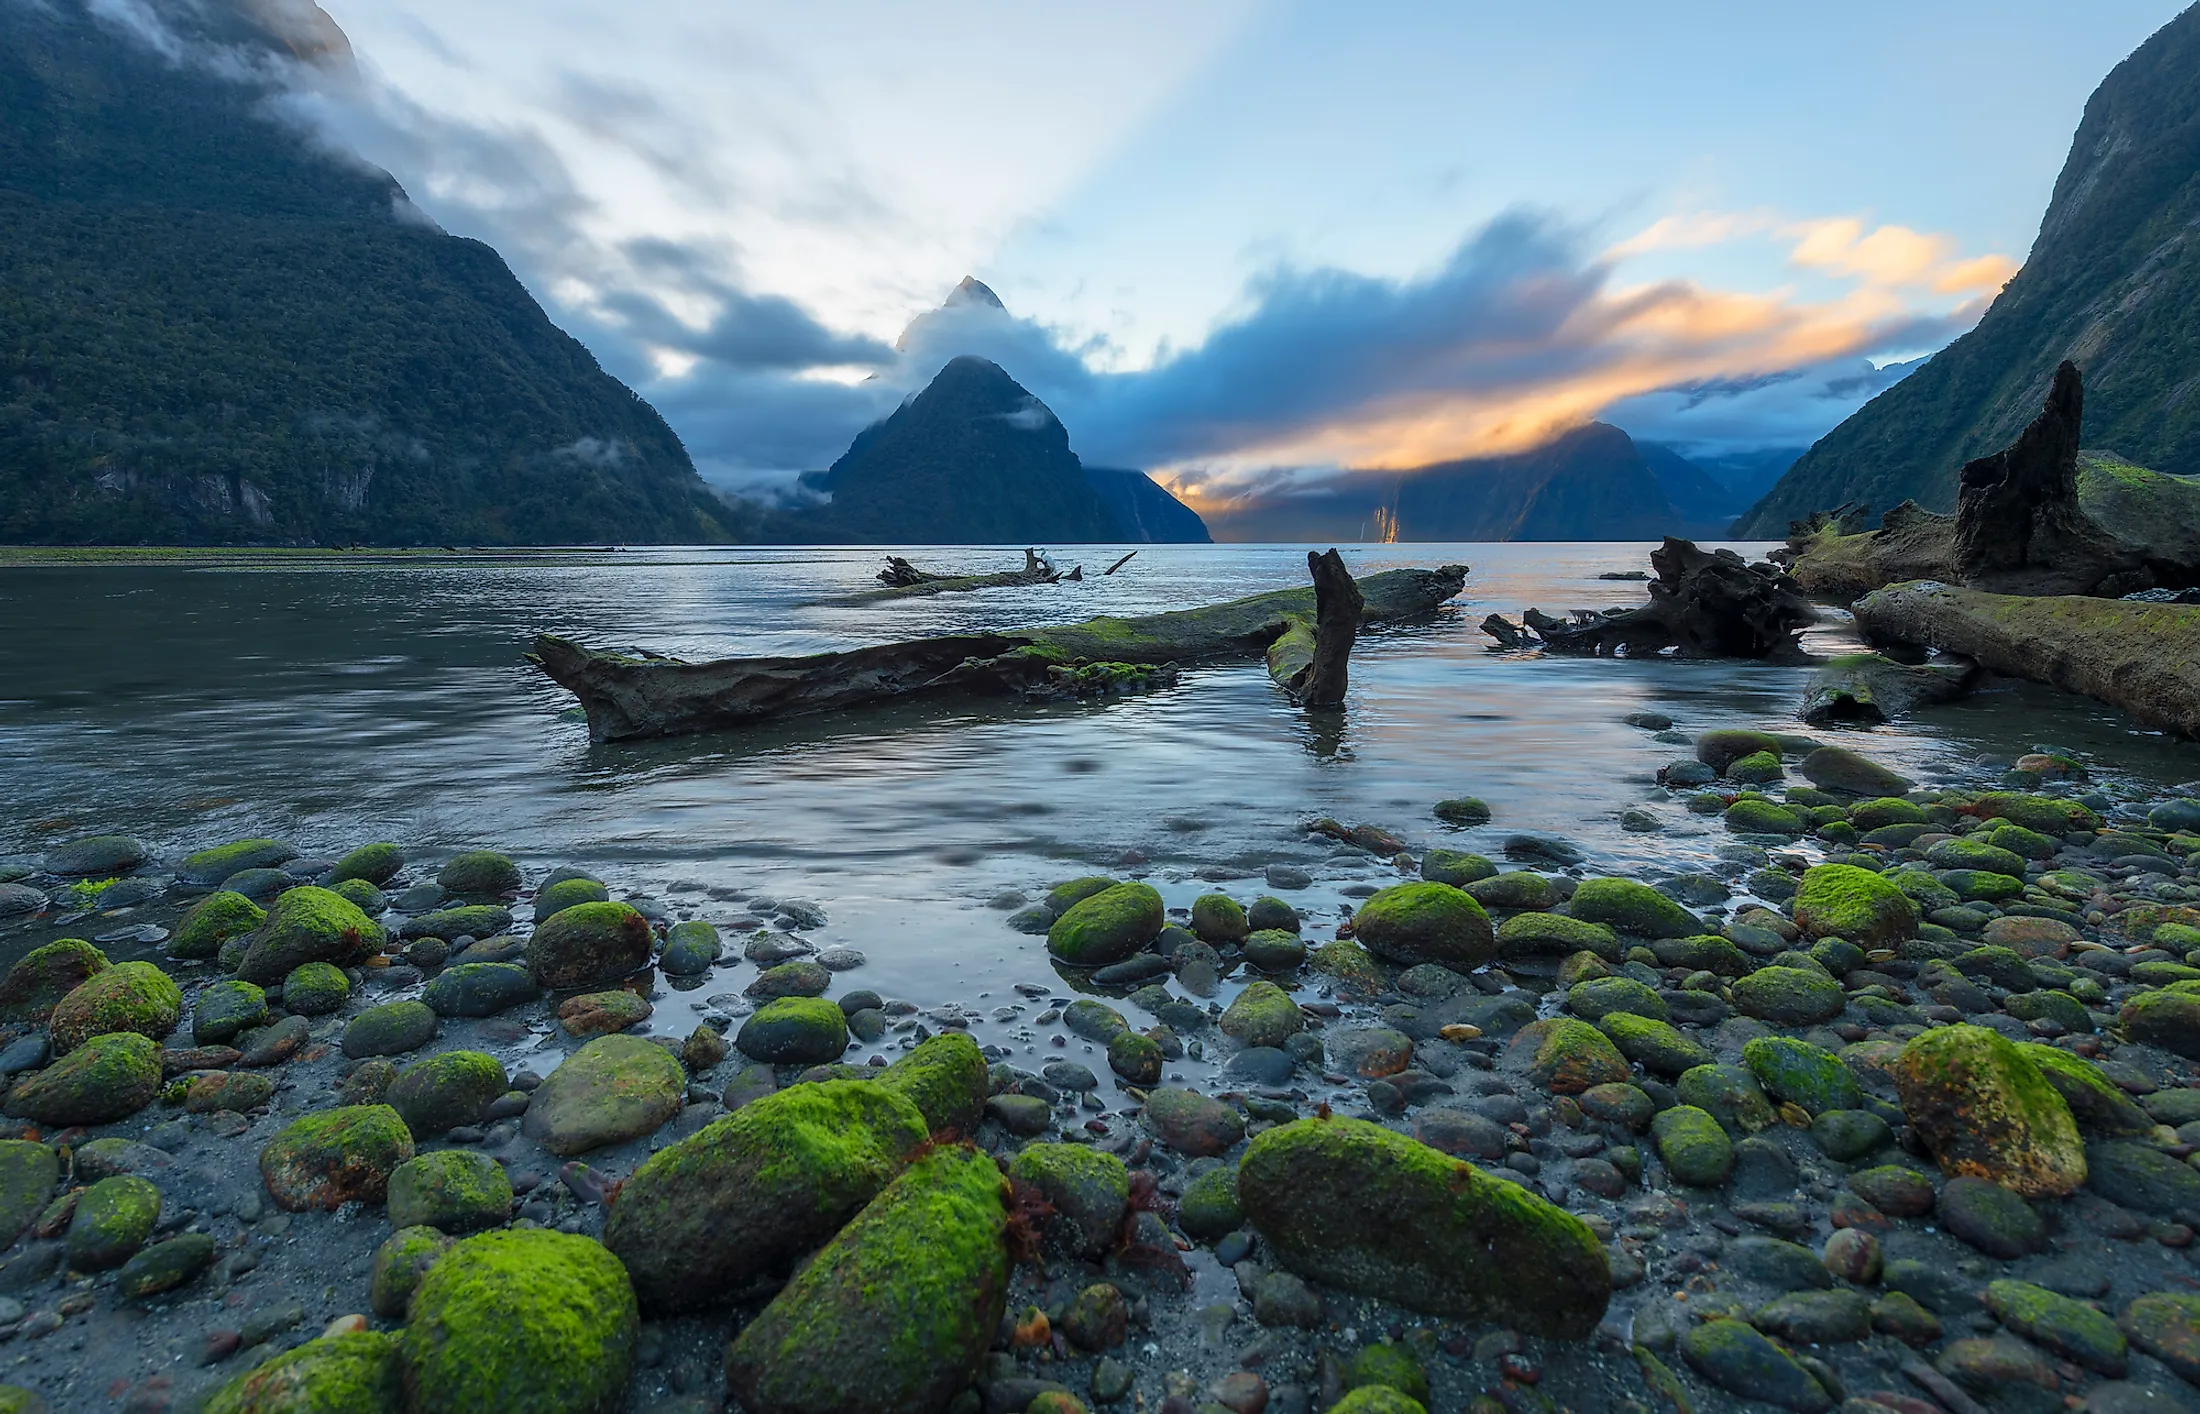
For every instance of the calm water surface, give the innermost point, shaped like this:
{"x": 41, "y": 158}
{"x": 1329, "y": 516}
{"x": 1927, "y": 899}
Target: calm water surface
{"x": 329, "y": 705}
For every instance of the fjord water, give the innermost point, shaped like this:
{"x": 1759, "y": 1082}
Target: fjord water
{"x": 330, "y": 704}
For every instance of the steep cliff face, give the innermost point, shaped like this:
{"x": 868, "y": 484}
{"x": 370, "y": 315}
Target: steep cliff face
{"x": 213, "y": 331}
{"x": 2112, "y": 283}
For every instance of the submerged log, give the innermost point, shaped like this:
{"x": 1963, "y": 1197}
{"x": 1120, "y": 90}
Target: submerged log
{"x": 1703, "y": 604}
{"x": 1871, "y": 689}
{"x": 627, "y": 696}
{"x": 2037, "y": 517}
{"x": 2141, "y": 657}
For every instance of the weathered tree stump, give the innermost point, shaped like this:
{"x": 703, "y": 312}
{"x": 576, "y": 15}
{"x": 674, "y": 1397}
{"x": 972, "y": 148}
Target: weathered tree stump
{"x": 1703, "y": 604}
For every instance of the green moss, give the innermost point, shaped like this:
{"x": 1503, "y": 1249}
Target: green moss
{"x": 1455, "y": 867}
{"x": 1706, "y": 952}
{"x": 1693, "y": 1146}
{"x": 1886, "y": 810}
{"x": 212, "y": 921}
{"x": 1632, "y": 908}
{"x": 1108, "y": 926}
{"x": 1089, "y": 1191}
{"x": 1209, "y": 1209}
{"x": 1071, "y": 892}
{"x": 2045, "y": 813}
{"x": 1652, "y": 1044}
{"x": 1389, "y": 1365}
{"x": 211, "y": 866}
{"x": 44, "y": 975}
{"x": 335, "y": 1157}
{"x": 1720, "y": 749}
{"x": 389, "y": 1029}
{"x": 480, "y": 873}
{"x": 2071, "y": 1329}
{"x": 1359, "y": 1207}
{"x": 566, "y": 893}
{"x": 1789, "y": 996}
{"x": 1261, "y": 1015}
{"x": 1841, "y": 900}
{"x": 945, "y": 1078}
{"x": 1462, "y": 811}
{"x": 309, "y": 924}
{"x": 2168, "y": 1019}
{"x": 446, "y": 1090}
{"x": 1554, "y": 934}
{"x": 794, "y": 1031}
{"x": 113, "y": 1218}
{"x": 362, "y": 895}
{"x": 456, "y": 1190}
{"x": 476, "y": 920}
{"x": 1762, "y": 817}
{"x": 1802, "y": 1074}
{"x": 1377, "y": 1399}
{"x": 1216, "y": 918}
{"x": 1348, "y": 964}
{"x": 533, "y": 1320}
{"x": 355, "y": 1373}
{"x": 1757, "y": 768}
{"x": 1426, "y": 922}
{"x": 133, "y": 996}
{"x": 1601, "y": 996}
{"x": 1567, "y": 1056}
{"x": 910, "y": 1293}
{"x": 316, "y": 989}
{"x": 399, "y": 1263}
{"x": 1984, "y": 1110}
{"x": 757, "y": 1189}
{"x": 377, "y": 864}
{"x": 105, "y": 1079}
{"x": 589, "y": 945}
{"x": 1730, "y": 1095}
{"x": 224, "y": 1010}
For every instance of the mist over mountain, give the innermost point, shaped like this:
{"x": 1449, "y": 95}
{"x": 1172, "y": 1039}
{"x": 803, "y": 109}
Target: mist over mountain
{"x": 218, "y": 332}
{"x": 2112, "y": 283}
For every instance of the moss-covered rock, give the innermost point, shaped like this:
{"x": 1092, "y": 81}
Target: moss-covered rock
{"x": 565, "y": 893}
{"x": 533, "y": 1320}
{"x": 589, "y": 945}
{"x": 910, "y": 1293}
{"x": 1706, "y": 952}
{"x": 1693, "y": 1146}
{"x": 1886, "y": 810}
{"x": 113, "y": 1218}
{"x": 1274, "y": 950}
{"x": 1752, "y": 816}
{"x": 479, "y": 989}
{"x": 2099, "y": 1107}
{"x": 334, "y": 1157}
{"x": 1739, "y": 1359}
{"x": 1425, "y": 922}
{"x": 1518, "y": 888}
{"x": 105, "y": 1079}
{"x": 211, "y": 866}
{"x": 1107, "y": 926}
{"x": 2071, "y": 1329}
{"x": 164, "y": 1266}
{"x": 1554, "y": 935}
{"x": 1209, "y": 1209}
{"x": 1070, "y": 892}
{"x": 366, "y": 897}
{"x": 226, "y": 1009}
{"x": 1387, "y": 1365}
{"x": 2166, "y": 1325}
{"x": 1960, "y": 853}
{"x": 446, "y": 1090}
{"x": 309, "y": 924}
{"x": 474, "y": 920}
{"x": 1841, "y": 900}
{"x": 44, "y": 975}
{"x": 212, "y": 921}
{"x": 1455, "y": 867}
{"x": 456, "y": 1190}
{"x": 1348, "y": 964}
{"x": 1789, "y": 996}
{"x": 691, "y": 949}
{"x": 1730, "y": 1095}
{"x": 1377, "y": 1399}
{"x": 1601, "y": 996}
{"x": 238, "y": 1091}
{"x": 480, "y": 873}
{"x": 1216, "y": 918}
{"x": 1632, "y": 908}
{"x": 354, "y": 1373}
{"x": 316, "y": 989}
{"x": 759, "y": 1188}
{"x": 611, "y": 1090}
{"x": 1722, "y": 748}
{"x": 1462, "y": 811}
{"x": 1984, "y": 1110}
{"x": 1566, "y": 1056}
{"x": 132, "y": 996}
{"x": 2048, "y": 814}
{"x": 1262, "y": 1015}
{"x": 1654, "y": 1045}
{"x": 1359, "y": 1207}
{"x": 1757, "y": 768}
{"x": 1135, "y": 1057}
{"x": 794, "y": 1031}
{"x": 1088, "y": 1190}
{"x": 1802, "y": 1074}
{"x": 1191, "y": 1123}
{"x": 28, "y": 1172}
{"x": 945, "y": 1078}
{"x": 389, "y": 1029}
{"x": 377, "y": 864}
{"x": 2168, "y": 1019}
{"x": 399, "y": 1263}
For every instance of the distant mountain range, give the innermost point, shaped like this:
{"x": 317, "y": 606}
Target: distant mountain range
{"x": 975, "y": 458}
{"x": 1592, "y": 483}
{"x": 2112, "y": 283}
{"x": 215, "y": 333}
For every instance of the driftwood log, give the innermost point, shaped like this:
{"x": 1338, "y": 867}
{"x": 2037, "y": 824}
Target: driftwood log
{"x": 1310, "y": 658}
{"x": 2037, "y": 517}
{"x": 2141, "y": 657}
{"x": 1703, "y": 604}
{"x": 903, "y": 580}
{"x": 627, "y": 696}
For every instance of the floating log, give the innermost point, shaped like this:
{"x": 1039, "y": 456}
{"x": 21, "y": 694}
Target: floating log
{"x": 1703, "y": 604}
{"x": 1871, "y": 689}
{"x": 2141, "y": 657}
{"x": 628, "y": 696}
{"x": 2037, "y": 517}
{"x": 903, "y": 580}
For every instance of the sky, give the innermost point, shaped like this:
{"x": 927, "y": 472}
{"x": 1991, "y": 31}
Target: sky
{"x": 1239, "y": 243}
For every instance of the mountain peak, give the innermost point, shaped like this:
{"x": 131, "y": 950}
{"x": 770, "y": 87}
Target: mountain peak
{"x": 972, "y": 290}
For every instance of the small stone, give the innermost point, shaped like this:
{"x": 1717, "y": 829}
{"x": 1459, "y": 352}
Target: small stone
{"x": 1991, "y": 1218}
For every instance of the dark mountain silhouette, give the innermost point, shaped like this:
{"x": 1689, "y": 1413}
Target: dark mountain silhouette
{"x": 212, "y": 331}
{"x": 1591, "y": 483}
{"x": 975, "y": 458}
{"x": 2112, "y": 284}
